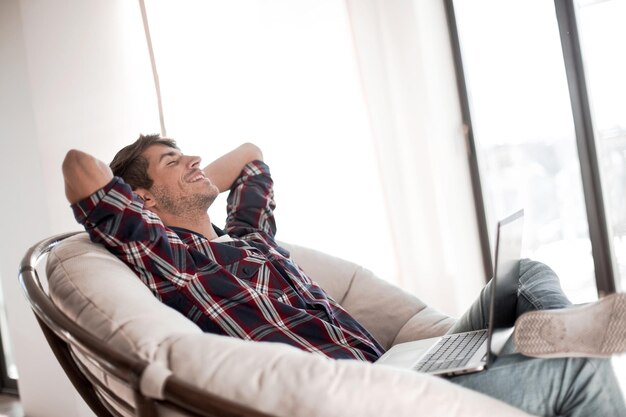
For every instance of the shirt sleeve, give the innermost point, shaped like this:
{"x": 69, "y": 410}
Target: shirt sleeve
{"x": 250, "y": 204}
{"x": 115, "y": 217}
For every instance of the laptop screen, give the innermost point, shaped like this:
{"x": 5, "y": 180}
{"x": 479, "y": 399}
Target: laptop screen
{"x": 502, "y": 312}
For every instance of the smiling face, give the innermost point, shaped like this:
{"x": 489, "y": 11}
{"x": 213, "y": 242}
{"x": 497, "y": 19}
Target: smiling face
{"x": 180, "y": 188}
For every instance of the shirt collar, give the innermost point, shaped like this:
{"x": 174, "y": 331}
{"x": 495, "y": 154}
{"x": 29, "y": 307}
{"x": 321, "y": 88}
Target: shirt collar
{"x": 187, "y": 235}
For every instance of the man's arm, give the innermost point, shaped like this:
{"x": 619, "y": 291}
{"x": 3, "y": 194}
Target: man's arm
{"x": 225, "y": 170}
{"x": 84, "y": 175}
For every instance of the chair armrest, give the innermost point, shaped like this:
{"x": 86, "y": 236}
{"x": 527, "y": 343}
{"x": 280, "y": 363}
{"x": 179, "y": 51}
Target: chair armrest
{"x": 286, "y": 381}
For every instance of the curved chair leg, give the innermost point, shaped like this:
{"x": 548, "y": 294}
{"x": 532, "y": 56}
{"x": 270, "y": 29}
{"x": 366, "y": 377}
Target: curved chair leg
{"x": 81, "y": 383}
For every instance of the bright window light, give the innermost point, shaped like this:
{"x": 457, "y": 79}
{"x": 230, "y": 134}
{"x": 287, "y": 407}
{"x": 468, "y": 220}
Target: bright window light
{"x": 280, "y": 74}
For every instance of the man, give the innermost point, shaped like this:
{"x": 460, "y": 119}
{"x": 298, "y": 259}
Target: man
{"x": 150, "y": 209}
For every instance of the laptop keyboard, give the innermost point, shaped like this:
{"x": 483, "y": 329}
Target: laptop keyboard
{"x": 452, "y": 351}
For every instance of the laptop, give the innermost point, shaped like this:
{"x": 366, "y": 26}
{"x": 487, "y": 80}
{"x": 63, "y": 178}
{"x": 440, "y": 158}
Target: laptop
{"x": 462, "y": 353}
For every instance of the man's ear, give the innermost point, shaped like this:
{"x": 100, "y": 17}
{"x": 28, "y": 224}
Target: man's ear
{"x": 147, "y": 197}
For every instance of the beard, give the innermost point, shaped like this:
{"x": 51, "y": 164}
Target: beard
{"x": 185, "y": 206}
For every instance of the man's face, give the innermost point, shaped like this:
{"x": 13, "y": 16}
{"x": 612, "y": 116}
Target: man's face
{"x": 180, "y": 187}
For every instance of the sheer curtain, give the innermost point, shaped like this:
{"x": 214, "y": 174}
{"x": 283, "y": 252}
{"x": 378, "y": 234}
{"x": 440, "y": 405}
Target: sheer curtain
{"x": 355, "y": 107}
{"x": 281, "y": 74}
{"x": 408, "y": 79}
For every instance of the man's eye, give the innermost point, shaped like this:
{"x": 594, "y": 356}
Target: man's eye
{"x": 172, "y": 162}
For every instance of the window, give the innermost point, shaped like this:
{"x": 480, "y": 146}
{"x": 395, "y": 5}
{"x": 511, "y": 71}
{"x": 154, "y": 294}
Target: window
{"x": 281, "y": 75}
{"x": 532, "y": 151}
{"x": 601, "y": 29}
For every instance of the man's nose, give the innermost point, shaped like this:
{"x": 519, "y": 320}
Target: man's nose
{"x": 193, "y": 161}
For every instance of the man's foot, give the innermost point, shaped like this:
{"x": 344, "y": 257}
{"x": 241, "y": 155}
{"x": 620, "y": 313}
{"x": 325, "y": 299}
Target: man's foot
{"x": 595, "y": 330}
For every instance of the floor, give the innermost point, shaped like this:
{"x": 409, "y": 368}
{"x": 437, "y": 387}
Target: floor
{"x": 10, "y": 406}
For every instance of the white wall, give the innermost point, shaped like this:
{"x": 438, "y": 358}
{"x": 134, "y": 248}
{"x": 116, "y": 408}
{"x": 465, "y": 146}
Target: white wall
{"x": 74, "y": 74}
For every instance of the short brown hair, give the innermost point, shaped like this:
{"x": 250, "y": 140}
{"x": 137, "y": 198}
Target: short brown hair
{"x": 130, "y": 164}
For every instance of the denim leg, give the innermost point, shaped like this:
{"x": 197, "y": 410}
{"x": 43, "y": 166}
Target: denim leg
{"x": 574, "y": 387}
{"x": 539, "y": 289}
{"x": 476, "y": 317}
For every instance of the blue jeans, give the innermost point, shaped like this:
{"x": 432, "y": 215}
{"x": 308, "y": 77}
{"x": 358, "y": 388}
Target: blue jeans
{"x": 542, "y": 387}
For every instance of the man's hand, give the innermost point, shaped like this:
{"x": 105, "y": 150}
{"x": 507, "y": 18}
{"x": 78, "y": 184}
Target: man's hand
{"x": 84, "y": 175}
{"x": 224, "y": 171}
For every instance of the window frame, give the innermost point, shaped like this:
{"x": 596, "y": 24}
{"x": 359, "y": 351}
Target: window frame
{"x": 585, "y": 142}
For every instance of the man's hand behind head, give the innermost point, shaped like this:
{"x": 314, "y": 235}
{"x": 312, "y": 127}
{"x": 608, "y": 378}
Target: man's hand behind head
{"x": 84, "y": 175}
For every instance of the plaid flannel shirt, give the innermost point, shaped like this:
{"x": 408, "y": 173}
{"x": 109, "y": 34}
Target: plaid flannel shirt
{"x": 247, "y": 288}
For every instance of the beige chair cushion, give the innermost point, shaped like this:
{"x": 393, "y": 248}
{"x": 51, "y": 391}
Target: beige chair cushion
{"x": 282, "y": 380}
{"x": 101, "y": 294}
{"x": 389, "y": 313}
{"x": 94, "y": 288}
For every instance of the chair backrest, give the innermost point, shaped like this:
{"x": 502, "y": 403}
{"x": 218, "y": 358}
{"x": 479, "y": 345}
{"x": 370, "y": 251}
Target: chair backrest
{"x": 86, "y": 358}
{"x": 117, "y": 343}
{"x": 389, "y": 313}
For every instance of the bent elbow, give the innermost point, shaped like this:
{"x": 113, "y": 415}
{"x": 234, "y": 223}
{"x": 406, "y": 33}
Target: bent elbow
{"x": 75, "y": 161}
{"x": 72, "y": 158}
{"x": 254, "y": 151}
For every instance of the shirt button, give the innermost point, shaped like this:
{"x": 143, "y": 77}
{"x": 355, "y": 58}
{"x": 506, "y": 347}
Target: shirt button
{"x": 246, "y": 270}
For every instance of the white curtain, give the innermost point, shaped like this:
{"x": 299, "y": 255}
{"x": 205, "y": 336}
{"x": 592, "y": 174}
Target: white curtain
{"x": 282, "y": 74}
{"x": 407, "y": 74}
{"x": 291, "y": 76}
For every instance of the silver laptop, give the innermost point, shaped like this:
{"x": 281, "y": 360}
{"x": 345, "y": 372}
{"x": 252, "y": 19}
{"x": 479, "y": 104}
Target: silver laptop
{"x": 462, "y": 353}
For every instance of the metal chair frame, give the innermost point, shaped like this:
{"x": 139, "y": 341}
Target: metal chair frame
{"x": 65, "y": 338}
